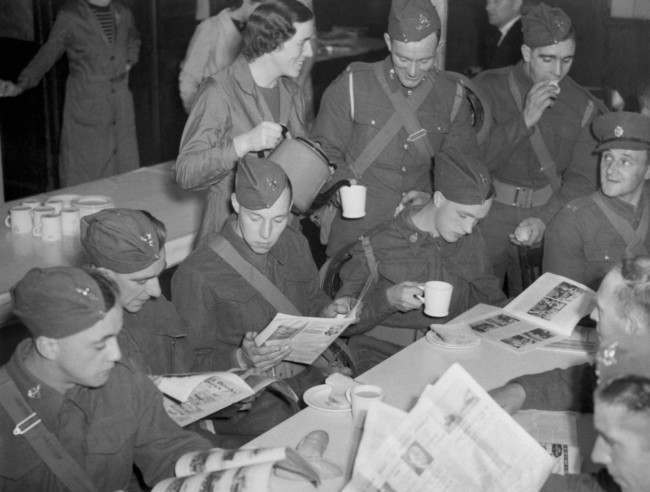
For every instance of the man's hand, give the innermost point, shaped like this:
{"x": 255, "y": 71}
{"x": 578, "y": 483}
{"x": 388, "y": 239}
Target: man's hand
{"x": 9, "y": 89}
{"x": 511, "y": 397}
{"x": 403, "y": 296}
{"x": 413, "y": 198}
{"x": 529, "y": 231}
{"x": 266, "y": 135}
{"x": 261, "y": 356}
{"x": 340, "y": 307}
{"x": 540, "y": 96}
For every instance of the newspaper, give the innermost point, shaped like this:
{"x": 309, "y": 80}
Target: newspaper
{"x": 557, "y": 432}
{"x": 545, "y": 313}
{"x": 234, "y": 470}
{"x": 455, "y": 439}
{"x": 308, "y": 337}
{"x": 190, "y": 397}
{"x": 583, "y": 339}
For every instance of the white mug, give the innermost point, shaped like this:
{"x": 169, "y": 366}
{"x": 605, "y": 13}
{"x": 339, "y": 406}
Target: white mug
{"x": 19, "y": 219}
{"x": 37, "y": 214}
{"x": 353, "y": 201}
{"x": 31, "y": 203}
{"x": 436, "y": 299}
{"x": 56, "y": 204}
{"x": 362, "y": 397}
{"x": 65, "y": 198}
{"x": 50, "y": 227}
{"x": 70, "y": 224}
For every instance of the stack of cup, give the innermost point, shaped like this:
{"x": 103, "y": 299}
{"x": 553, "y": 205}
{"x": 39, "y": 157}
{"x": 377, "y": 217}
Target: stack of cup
{"x": 49, "y": 221}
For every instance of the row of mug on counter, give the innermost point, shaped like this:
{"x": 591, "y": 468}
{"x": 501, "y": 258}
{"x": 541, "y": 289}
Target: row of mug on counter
{"x": 54, "y": 217}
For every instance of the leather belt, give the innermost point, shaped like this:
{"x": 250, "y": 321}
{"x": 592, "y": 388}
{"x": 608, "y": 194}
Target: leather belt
{"x": 521, "y": 196}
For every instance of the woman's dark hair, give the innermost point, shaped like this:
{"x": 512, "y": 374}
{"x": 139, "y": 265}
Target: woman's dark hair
{"x": 270, "y": 25}
{"x": 109, "y": 289}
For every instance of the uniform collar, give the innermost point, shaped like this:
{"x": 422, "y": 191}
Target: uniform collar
{"x": 279, "y": 251}
{"x": 393, "y": 82}
{"x": 408, "y": 230}
{"x": 624, "y": 209}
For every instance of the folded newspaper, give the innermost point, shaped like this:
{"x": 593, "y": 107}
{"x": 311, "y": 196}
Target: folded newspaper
{"x": 241, "y": 470}
{"x": 308, "y": 337}
{"x": 191, "y": 397}
{"x": 545, "y": 313}
{"x": 455, "y": 439}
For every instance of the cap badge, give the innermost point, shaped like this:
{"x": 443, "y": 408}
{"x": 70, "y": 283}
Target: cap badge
{"x": 423, "y": 23}
{"x": 147, "y": 239}
{"x": 272, "y": 183}
{"x": 618, "y": 131}
{"x": 86, "y": 292}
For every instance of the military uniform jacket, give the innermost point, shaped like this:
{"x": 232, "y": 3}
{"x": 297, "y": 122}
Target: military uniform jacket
{"x": 509, "y": 154}
{"x": 344, "y": 133}
{"x": 228, "y": 105}
{"x": 582, "y": 244}
{"x": 404, "y": 252}
{"x": 104, "y": 429}
{"x": 98, "y": 137}
{"x": 155, "y": 339}
{"x": 219, "y": 306}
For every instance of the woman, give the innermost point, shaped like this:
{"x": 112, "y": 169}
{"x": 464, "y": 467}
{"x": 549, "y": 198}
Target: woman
{"x": 101, "y": 42}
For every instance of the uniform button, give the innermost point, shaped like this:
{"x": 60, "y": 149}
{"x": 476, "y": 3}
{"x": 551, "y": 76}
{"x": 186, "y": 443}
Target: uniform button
{"x": 413, "y": 237}
{"x": 403, "y": 194}
{"x": 406, "y": 146}
{"x": 114, "y": 122}
{"x": 403, "y": 169}
{"x": 112, "y": 57}
{"x": 372, "y": 122}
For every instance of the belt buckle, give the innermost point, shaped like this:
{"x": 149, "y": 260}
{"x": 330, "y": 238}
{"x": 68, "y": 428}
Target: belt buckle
{"x": 26, "y": 424}
{"x": 523, "y": 197}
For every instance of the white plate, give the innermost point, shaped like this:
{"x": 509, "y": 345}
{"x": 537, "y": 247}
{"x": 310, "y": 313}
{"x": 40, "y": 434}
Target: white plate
{"x": 434, "y": 339}
{"x": 318, "y": 397}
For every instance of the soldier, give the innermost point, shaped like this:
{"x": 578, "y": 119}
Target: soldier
{"x": 592, "y": 233}
{"x": 539, "y": 149}
{"x": 248, "y": 107}
{"x": 382, "y": 123}
{"x": 230, "y": 288}
{"x": 72, "y": 415}
{"x": 436, "y": 241}
{"x": 129, "y": 247}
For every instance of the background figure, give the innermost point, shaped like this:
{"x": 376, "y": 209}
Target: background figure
{"x": 644, "y": 100}
{"x": 504, "y": 37}
{"x": 215, "y": 45}
{"x": 98, "y": 137}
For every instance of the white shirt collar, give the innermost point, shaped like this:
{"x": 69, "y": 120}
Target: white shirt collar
{"x": 506, "y": 27}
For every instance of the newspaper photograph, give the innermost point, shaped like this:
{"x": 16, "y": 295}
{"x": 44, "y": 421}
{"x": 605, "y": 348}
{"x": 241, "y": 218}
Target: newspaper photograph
{"x": 191, "y": 397}
{"x": 557, "y": 432}
{"x": 308, "y": 337}
{"x": 456, "y": 438}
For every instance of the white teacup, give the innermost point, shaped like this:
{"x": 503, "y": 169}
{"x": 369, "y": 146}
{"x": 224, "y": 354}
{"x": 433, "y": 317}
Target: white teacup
{"x": 50, "y": 227}
{"x": 353, "y": 201}
{"x": 31, "y": 203}
{"x": 65, "y": 198}
{"x": 37, "y": 214}
{"x": 436, "y": 299}
{"x": 70, "y": 221}
{"x": 56, "y": 204}
{"x": 362, "y": 397}
{"x": 19, "y": 219}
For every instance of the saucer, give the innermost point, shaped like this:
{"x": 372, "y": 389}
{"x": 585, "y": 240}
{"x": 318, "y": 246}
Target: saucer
{"x": 318, "y": 397}
{"x": 452, "y": 338}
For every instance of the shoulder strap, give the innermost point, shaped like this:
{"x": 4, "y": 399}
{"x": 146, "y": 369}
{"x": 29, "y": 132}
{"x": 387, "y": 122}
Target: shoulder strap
{"x": 221, "y": 246}
{"x": 589, "y": 110}
{"x": 634, "y": 239}
{"x": 370, "y": 258}
{"x": 43, "y": 442}
{"x": 351, "y": 92}
{"x": 458, "y": 99}
{"x": 546, "y": 161}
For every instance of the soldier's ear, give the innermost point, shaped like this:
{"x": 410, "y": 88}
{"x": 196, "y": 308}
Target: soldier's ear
{"x": 387, "y": 41}
{"x": 526, "y": 52}
{"x": 647, "y": 163}
{"x": 235, "y": 203}
{"x": 47, "y": 347}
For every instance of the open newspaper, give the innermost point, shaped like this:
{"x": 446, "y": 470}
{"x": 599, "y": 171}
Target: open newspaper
{"x": 308, "y": 337}
{"x": 190, "y": 397}
{"x": 557, "y": 432}
{"x": 455, "y": 439}
{"x": 545, "y": 313}
{"x": 239, "y": 470}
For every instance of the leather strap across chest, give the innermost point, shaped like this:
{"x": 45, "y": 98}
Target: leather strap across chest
{"x": 43, "y": 442}
{"x": 260, "y": 282}
{"x": 403, "y": 117}
{"x": 546, "y": 161}
{"x": 634, "y": 238}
